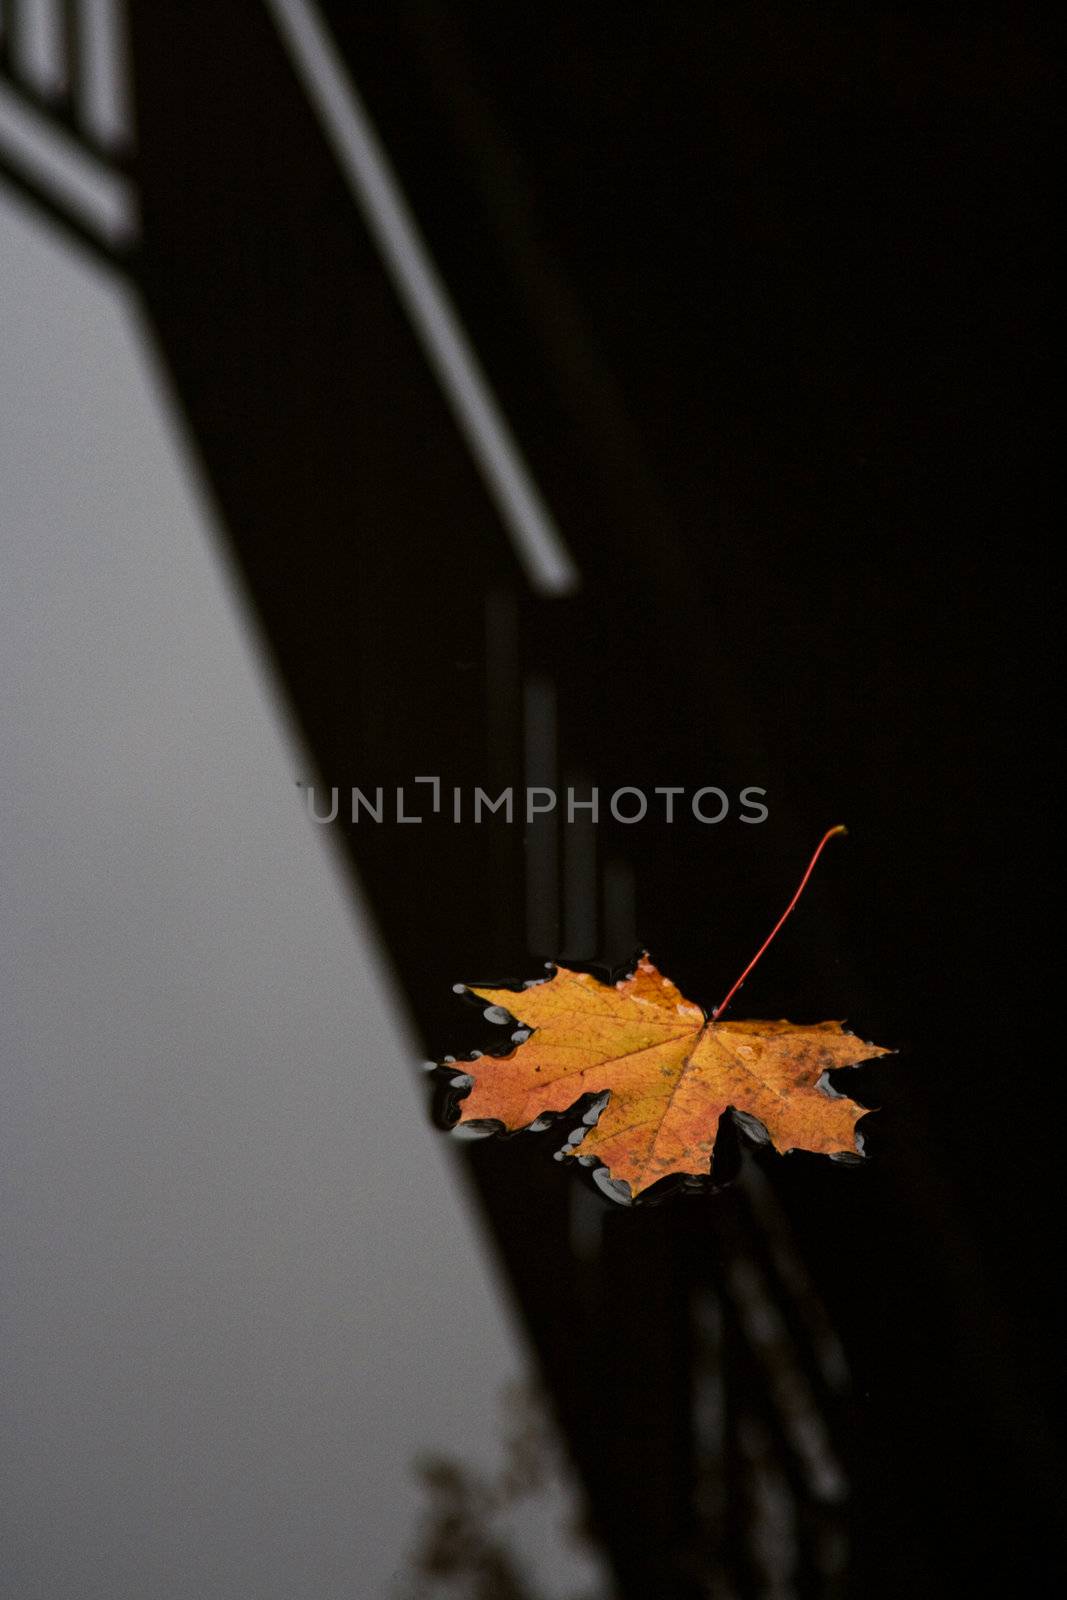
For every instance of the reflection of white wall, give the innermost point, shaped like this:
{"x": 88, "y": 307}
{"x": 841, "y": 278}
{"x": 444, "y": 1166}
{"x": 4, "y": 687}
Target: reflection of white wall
{"x": 242, "y": 1288}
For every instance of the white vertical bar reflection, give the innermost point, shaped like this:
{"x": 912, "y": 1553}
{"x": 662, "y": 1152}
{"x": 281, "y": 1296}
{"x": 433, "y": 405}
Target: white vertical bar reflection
{"x": 579, "y": 870}
{"x": 542, "y": 833}
{"x": 103, "y": 68}
{"x": 620, "y": 911}
{"x": 39, "y": 53}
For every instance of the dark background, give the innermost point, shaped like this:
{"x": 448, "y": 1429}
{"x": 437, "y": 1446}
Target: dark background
{"x": 766, "y": 297}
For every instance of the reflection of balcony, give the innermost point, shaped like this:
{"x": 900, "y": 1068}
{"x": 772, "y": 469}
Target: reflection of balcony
{"x": 65, "y": 132}
{"x": 417, "y": 586}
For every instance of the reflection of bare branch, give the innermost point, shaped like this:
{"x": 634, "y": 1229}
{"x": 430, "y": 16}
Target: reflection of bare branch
{"x": 530, "y": 1459}
{"x": 463, "y": 1550}
{"x": 458, "y": 1543}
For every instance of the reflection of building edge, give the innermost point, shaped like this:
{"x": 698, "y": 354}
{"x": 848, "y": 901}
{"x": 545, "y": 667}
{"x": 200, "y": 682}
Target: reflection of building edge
{"x": 691, "y": 1365}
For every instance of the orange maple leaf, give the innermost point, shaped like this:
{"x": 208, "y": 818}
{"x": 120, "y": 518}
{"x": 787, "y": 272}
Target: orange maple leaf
{"x": 669, "y": 1070}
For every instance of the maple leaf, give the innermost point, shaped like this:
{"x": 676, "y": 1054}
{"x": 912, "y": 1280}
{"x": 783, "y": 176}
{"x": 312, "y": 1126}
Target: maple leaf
{"x": 670, "y": 1073}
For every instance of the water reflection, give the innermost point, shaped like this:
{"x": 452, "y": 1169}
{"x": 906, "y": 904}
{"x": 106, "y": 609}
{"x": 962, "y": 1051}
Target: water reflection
{"x": 519, "y": 1533}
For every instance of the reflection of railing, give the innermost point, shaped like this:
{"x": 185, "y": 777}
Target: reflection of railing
{"x": 65, "y": 126}
{"x": 402, "y": 607}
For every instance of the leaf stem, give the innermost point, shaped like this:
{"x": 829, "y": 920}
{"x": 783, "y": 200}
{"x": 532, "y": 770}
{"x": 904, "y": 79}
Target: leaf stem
{"x": 827, "y": 836}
